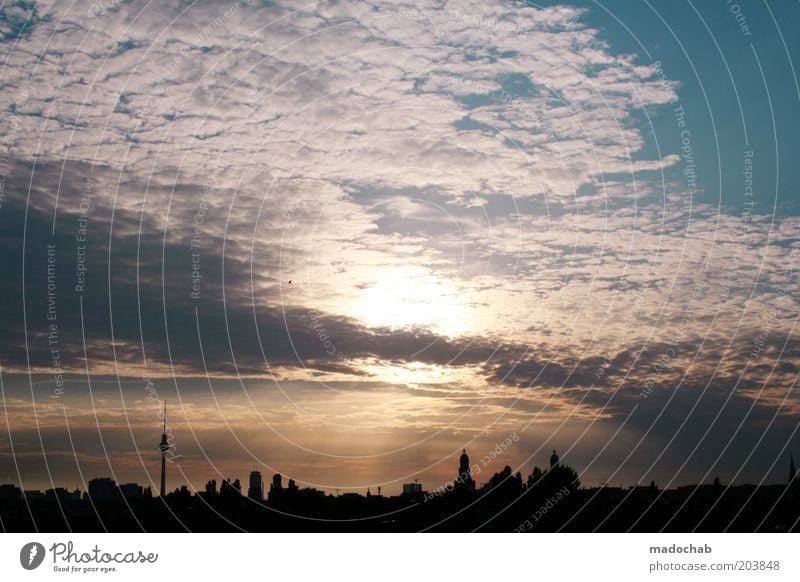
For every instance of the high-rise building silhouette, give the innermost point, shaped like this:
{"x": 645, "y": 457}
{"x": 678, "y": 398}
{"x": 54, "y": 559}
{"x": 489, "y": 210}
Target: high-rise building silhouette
{"x": 792, "y": 471}
{"x": 164, "y": 447}
{"x": 554, "y": 459}
{"x": 412, "y": 488}
{"x": 256, "y": 489}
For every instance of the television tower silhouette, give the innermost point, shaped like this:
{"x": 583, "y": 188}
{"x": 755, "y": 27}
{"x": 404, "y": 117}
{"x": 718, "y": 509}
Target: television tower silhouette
{"x": 164, "y": 447}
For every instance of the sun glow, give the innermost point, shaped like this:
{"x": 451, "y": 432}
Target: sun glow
{"x": 420, "y": 374}
{"x": 411, "y": 297}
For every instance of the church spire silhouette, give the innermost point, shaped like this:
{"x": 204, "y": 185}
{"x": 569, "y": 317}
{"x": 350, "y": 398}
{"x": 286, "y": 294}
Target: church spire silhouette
{"x": 164, "y": 447}
{"x": 464, "y": 480}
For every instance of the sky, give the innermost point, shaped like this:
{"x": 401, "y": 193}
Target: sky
{"x": 346, "y": 240}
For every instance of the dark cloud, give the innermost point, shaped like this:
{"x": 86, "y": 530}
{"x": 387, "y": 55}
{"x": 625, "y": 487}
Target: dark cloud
{"x": 138, "y": 293}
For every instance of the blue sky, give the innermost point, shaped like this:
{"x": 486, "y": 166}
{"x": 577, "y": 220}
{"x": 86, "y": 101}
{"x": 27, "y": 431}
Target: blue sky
{"x": 739, "y": 90}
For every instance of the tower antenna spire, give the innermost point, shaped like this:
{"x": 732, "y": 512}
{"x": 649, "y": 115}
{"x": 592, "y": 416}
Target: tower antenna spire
{"x": 164, "y": 447}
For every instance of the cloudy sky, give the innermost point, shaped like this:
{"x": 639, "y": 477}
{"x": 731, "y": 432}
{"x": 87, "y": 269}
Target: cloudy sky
{"x": 345, "y": 240}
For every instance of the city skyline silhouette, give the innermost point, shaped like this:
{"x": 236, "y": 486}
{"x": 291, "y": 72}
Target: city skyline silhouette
{"x": 460, "y": 505}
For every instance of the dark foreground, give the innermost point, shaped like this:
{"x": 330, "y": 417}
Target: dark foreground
{"x": 552, "y": 503}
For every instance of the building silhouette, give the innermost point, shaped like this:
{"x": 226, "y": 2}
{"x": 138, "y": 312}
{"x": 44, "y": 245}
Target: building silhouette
{"x": 255, "y": 491}
{"x": 10, "y": 494}
{"x": 62, "y": 495}
{"x": 102, "y": 490}
{"x": 464, "y": 482}
{"x": 411, "y": 488}
{"x": 131, "y": 491}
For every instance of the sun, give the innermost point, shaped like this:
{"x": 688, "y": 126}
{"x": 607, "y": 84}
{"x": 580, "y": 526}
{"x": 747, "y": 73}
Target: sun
{"x": 413, "y": 297}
